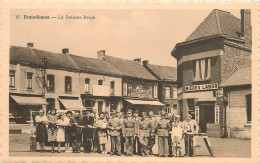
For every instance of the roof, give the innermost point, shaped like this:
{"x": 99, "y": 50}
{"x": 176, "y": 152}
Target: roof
{"x": 130, "y": 68}
{"x": 95, "y": 65}
{"x": 23, "y": 55}
{"x": 164, "y": 72}
{"x": 241, "y": 76}
{"x": 218, "y": 22}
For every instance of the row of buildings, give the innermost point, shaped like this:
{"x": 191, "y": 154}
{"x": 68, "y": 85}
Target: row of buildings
{"x": 42, "y": 79}
{"x": 212, "y": 81}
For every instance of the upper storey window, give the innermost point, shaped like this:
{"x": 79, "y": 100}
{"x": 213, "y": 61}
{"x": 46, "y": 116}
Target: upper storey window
{"x": 201, "y": 69}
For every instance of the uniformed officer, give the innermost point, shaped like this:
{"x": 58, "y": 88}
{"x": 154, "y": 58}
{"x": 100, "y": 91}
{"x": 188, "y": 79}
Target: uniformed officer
{"x": 128, "y": 131}
{"x": 114, "y": 125}
{"x": 144, "y": 128}
{"x": 153, "y": 123}
{"x": 190, "y": 127}
{"x": 137, "y": 147}
{"x": 121, "y": 117}
{"x": 163, "y": 133}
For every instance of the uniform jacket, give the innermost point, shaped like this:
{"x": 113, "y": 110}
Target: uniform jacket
{"x": 88, "y": 121}
{"x": 74, "y": 130}
{"x": 129, "y": 127}
{"x": 144, "y": 127}
{"x": 114, "y": 123}
{"x": 153, "y": 122}
{"x": 191, "y": 126}
{"x": 163, "y": 127}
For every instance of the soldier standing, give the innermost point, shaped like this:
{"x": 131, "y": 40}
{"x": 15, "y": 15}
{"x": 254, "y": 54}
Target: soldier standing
{"x": 114, "y": 124}
{"x": 121, "y": 117}
{"x": 144, "y": 128}
{"x": 88, "y": 132}
{"x": 163, "y": 127}
{"x": 137, "y": 147}
{"x": 153, "y": 123}
{"x": 128, "y": 131}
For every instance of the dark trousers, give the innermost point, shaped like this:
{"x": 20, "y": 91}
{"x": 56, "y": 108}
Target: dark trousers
{"x": 76, "y": 142}
{"x": 170, "y": 144}
{"x": 122, "y": 144}
{"x": 144, "y": 145}
{"x": 137, "y": 147}
{"x": 129, "y": 144}
{"x": 151, "y": 144}
{"x": 87, "y": 141}
{"x": 163, "y": 146}
{"x": 116, "y": 145}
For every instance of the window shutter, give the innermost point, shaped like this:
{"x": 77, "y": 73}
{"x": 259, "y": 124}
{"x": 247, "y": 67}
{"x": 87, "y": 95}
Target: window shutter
{"x": 202, "y": 68}
{"x": 208, "y": 71}
{"x": 155, "y": 94}
{"x": 125, "y": 89}
{"x": 197, "y": 71}
{"x": 217, "y": 114}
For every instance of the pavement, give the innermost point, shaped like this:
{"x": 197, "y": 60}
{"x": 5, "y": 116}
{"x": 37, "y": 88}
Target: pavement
{"x": 19, "y": 145}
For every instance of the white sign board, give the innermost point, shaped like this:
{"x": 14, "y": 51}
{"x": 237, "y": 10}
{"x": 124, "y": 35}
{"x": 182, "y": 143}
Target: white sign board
{"x": 100, "y": 90}
{"x": 202, "y": 87}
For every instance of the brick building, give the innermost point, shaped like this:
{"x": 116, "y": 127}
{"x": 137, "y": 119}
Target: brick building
{"x": 139, "y": 86}
{"x": 220, "y": 45}
{"x": 167, "y": 85}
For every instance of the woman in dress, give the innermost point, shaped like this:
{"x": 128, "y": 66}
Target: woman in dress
{"x": 52, "y": 128}
{"x": 101, "y": 125}
{"x": 61, "y": 131}
{"x": 41, "y": 130}
{"x": 67, "y": 131}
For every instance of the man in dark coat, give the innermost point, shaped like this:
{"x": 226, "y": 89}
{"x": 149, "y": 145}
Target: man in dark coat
{"x": 88, "y": 132}
{"x": 76, "y": 131}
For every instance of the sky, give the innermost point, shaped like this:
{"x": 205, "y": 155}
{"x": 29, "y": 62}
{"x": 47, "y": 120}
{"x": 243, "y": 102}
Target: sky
{"x": 147, "y": 34}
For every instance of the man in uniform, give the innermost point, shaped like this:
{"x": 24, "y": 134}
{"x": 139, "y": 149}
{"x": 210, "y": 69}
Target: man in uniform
{"x": 128, "y": 131}
{"x": 88, "y": 132}
{"x": 153, "y": 123}
{"x": 137, "y": 146}
{"x": 76, "y": 131}
{"x": 114, "y": 124}
{"x": 144, "y": 128}
{"x": 163, "y": 127}
{"x": 121, "y": 117}
{"x": 190, "y": 127}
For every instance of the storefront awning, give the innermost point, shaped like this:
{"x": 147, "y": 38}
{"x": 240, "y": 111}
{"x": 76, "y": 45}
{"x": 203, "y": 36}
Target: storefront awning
{"x": 26, "y": 100}
{"x": 72, "y": 104}
{"x": 145, "y": 102}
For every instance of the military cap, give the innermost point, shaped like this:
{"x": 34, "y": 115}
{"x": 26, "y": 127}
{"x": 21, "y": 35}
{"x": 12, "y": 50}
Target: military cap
{"x": 188, "y": 115}
{"x": 129, "y": 111}
{"x": 136, "y": 111}
{"x": 68, "y": 112}
{"x": 143, "y": 113}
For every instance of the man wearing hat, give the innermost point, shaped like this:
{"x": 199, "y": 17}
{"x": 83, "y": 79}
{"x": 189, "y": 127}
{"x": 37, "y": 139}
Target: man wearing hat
{"x": 88, "y": 121}
{"x": 114, "y": 125}
{"x": 163, "y": 127}
{"x": 190, "y": 127}
{"x": 153, "y": 123}
{"x": 128, "y": 131}
{"x": 144, "y": 128}
{"x": 137, "y": 147}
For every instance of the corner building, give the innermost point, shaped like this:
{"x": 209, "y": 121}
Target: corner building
{"x": 219, "y": 46}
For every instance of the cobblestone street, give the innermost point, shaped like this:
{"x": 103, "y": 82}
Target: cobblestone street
{"x": 20, "y": 146}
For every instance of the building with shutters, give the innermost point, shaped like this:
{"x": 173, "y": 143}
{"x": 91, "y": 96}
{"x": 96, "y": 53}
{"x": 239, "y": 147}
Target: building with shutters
{"x": 217, "y": 48}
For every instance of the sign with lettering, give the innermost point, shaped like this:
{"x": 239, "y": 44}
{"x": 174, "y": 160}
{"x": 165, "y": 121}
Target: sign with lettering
{"x": 202, "y": 87}
{"x": 141, "y": 93}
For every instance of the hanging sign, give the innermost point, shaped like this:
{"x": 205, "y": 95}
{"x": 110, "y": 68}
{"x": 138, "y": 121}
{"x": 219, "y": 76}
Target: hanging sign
{"x": 197, "y": 113}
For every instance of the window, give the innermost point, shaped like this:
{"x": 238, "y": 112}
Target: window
{"x": 50, "y": 82}
{"x": 107, "y": 104}
{"x": 86, "y": 86}
{"x": 100, "y": 106}
{"x": 155, "y": 95}
{"x": 112, "y": 87}
{"x": 150, "y": 90}
{"x": 201, "y": 69}
{"x": 129, "y": 89}
{"x": 248, "y": 108}
{"x": 174, "y": 92}
{"x": 68, "y": 84}
{"x": 29, "y": 80}
{"x": 12, "y": 79}
{"x": 167, "y": 108}
{"x": 217, "y": 114}
{"x": 167, "y": 92}
{"x": 100, "y": 82}
{"x": 125, "y": 89}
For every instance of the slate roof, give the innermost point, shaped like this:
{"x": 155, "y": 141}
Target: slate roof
{"x": 166, "y": 73}
{"x": 218, "y": 22}
{"x": 24, "y": 56}
{"x": 130, "y": 68}
{"x": 241, "y": 76}
{"x": 95, "y": 66}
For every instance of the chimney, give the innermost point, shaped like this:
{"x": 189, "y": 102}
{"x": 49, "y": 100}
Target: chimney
{"x": 29, "y": 44}
{"x": 65, "y": 51}
{"x": 245, "y": 23}
{"x": 145, "y": 62}
{"x": 138, "y": 60}
{"x": 101, "y": 54}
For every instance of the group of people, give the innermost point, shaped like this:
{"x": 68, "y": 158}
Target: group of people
{"x": 129, "y": 134}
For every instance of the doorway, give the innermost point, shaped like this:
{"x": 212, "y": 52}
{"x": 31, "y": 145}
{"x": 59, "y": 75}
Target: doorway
{"x": 206, "y": 115}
